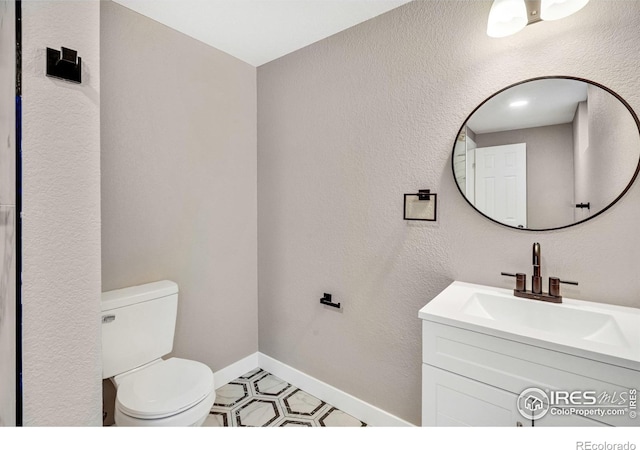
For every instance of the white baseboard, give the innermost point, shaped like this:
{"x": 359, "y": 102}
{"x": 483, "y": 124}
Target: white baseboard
{"x": 364, "y": 411}
{"x": 235, "y": 370}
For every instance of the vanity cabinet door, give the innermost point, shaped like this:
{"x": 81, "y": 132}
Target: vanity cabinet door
{"x": 453, "y": 400}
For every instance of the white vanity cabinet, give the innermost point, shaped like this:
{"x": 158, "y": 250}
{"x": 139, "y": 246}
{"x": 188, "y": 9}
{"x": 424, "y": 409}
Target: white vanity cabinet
{"x": 472, "y": 374}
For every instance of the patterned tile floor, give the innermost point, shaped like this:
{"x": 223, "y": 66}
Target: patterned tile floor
{"x": 260, "y": 399}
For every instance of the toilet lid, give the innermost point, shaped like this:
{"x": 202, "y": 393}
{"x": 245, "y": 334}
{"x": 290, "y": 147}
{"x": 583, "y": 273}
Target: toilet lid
{"x": 164, "y": 389}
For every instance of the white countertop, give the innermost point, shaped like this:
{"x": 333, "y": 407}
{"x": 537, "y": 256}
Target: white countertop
{"x": 602, "y": 332}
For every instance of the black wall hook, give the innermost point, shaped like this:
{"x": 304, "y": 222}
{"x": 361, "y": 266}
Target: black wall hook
{"x": 64, "y": 64}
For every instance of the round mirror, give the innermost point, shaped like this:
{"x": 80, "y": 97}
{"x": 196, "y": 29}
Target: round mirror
{"x": 547, "y": 153}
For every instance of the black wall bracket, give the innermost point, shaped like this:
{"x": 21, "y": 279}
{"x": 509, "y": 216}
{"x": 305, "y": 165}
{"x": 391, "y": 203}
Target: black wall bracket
{"x": 64, "y": 64}
{"x": 326, "y": 300}
{"x": 584, "y": 205}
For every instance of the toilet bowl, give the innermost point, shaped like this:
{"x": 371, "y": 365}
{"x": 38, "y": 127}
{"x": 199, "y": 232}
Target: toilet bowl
{"x": 138, "y": 325}
{"x": 172, "y": 392}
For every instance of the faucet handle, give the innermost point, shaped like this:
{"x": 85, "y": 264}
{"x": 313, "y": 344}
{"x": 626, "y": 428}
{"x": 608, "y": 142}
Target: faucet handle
{"x": 554, "y": 285}
{"x": 521, "y": 280}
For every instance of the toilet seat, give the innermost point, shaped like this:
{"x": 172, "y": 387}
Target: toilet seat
{"x": 163, "y": 389}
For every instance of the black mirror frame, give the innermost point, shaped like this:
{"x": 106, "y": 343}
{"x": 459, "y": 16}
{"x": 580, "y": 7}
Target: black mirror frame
{"x": 565, "y": 77}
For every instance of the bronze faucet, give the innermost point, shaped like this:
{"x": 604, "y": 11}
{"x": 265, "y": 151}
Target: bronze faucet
{"x": 536, "y": 282}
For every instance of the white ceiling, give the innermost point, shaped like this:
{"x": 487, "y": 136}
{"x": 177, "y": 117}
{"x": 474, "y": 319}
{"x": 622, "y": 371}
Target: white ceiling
{"x": 259, "y": 31}
{"x": 550, "y": 102}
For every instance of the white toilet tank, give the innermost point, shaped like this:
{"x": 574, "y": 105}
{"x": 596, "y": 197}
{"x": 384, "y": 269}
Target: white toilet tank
{"x": 138, "y": 324}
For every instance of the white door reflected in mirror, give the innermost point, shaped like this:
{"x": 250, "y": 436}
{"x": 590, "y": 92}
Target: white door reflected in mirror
{"x": 501, "y": 183}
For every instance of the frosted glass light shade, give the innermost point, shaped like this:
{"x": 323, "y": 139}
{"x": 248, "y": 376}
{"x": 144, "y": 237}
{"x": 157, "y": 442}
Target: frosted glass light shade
{"x": 558, "y": 9}
{"x": 507, "y": 17}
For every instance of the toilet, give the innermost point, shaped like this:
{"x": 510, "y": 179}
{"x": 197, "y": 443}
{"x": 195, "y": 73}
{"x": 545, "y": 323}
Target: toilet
{"x": 138, "y": 325}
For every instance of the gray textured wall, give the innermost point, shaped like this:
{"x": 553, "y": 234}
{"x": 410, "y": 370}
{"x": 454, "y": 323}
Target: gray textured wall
{"x": 609, "y": 158}
{"x": 7, "y": 214}
{"x": 348, "y": 125}
{"x": 61, "y": 218}
{"x": 179, "y": 180}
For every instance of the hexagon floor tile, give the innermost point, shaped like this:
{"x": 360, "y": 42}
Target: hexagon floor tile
{"x": 260, "y": 399}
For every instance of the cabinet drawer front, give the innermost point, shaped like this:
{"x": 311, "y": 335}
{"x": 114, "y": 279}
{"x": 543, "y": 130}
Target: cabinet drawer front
{"x": 514, "y": 366}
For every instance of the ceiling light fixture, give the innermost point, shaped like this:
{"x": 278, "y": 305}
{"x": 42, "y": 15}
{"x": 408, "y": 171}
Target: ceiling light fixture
{"x": 559, "y": 9}
{"x": 507, "y": 17}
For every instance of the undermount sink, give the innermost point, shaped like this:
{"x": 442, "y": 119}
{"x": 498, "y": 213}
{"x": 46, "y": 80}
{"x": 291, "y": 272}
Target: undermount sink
{"x": 603, "y": 332}
{"x": 546, "y": 317}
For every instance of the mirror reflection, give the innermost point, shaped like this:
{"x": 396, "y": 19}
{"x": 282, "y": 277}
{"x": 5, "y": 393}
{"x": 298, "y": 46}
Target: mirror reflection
{"x": 547, "y": 153}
